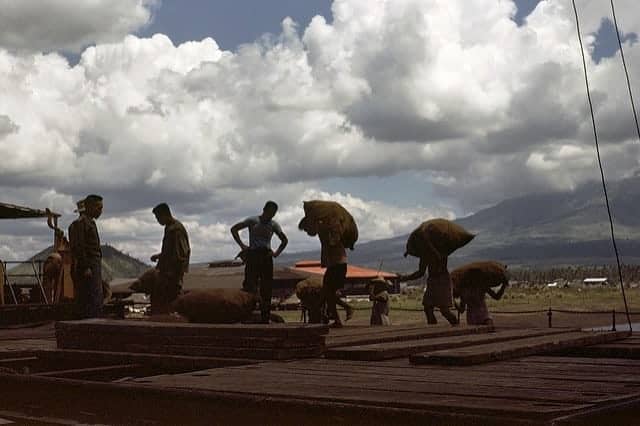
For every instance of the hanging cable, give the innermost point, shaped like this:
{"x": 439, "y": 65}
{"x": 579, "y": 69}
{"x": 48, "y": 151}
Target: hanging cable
{"x": 626, "y": 72}
{"x": 604, "y": 183}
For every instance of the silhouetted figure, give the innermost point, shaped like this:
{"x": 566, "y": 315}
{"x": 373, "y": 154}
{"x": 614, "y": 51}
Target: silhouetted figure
{"x": 333, "y": 257}
{"x": 173, "y": 260}
{"x": 84, "y": 243}
{"x": 258, "y": 255}
{"x": 438, "y": 292}
{"x": 472, "y": 299}
{"x": 379, "y": 295}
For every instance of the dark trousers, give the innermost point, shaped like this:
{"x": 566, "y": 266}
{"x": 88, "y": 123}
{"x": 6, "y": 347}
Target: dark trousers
{"x": 258, "y": 278}
{"x": 90, "y": 295}
{"x": 167, "y": 291}
{"x": 333, "y": 280}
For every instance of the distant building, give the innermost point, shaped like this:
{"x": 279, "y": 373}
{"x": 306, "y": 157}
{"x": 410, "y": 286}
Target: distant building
{"x": 596, "y": 281}
{"x": 357, "y": 276}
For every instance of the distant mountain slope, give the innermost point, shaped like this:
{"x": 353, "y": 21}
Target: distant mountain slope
{"x": 560, "y": 228}
{"x": 115, "y": 264}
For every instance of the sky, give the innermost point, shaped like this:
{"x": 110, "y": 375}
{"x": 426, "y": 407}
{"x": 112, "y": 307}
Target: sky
{"x": 402, "y": 110}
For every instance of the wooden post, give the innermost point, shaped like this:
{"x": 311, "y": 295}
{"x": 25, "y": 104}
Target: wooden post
{"x": 1, "y": 283}
{"x": 549, "y": 315}
{"x": 613, "y": 318}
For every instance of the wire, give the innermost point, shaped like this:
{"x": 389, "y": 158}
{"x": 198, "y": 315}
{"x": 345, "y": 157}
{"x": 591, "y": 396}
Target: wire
{"x": 626, "y": 71}
{"x": 604, "y": 183}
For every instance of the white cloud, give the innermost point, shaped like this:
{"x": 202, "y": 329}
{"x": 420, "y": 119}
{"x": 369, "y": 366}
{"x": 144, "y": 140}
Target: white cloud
{"x": 454, "y": 89}
{"x": 69, "y": 25}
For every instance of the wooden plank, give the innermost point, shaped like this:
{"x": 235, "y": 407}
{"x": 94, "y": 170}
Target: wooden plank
{"x": 382, "y": 351}
{"x": 515, "y": 349}
{"x": 611, "y": 350}
{"x": 384, "y": 383}
{"x": 330, "y": 392}
{"x": 464, "y": 377}
{"x": 65, "y": 336}
{"x": 189, "y": 329}
{"x": 159, "y": 361}
{"x": 92, "y": 372}
{"x": 193, "y": 350}
{"x": 377, "y": 335}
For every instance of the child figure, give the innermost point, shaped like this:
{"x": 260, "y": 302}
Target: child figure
{"x": 379, "y": 295}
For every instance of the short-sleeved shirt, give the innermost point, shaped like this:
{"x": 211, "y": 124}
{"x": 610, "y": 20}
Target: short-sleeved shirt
{"x": 260, "y": 233}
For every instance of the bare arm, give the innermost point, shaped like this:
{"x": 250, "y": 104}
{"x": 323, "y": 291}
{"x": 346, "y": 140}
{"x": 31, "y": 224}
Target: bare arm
{"x": 422, "y": 270}
{"x": 498, "y": 295}
{"x": 283, "y": 242}
{"x": 235, "y": 229}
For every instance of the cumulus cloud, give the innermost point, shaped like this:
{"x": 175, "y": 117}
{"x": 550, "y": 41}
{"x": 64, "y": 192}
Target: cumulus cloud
{"x": 69, "y": 25}
{"x": 456, "y": 90}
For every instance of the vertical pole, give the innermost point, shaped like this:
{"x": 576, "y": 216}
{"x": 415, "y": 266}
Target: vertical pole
{"x": 549, "y": 315}
{"x": 613, "y": 318}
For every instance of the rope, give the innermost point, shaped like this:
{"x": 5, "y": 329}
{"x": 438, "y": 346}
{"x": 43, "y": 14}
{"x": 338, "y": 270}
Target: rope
{"x": 626, "y": 71}
{"x": 604, "y": 183}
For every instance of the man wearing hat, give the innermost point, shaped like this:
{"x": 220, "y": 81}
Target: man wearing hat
{"x": 84, "y": 242}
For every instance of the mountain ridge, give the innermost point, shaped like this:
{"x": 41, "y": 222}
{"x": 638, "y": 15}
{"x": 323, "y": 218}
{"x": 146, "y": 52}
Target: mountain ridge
{"x": 535, "y": 230}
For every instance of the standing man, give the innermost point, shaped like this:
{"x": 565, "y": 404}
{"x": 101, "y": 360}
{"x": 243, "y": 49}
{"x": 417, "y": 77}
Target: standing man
{"x": 258, "y": 271}
{"x": 84, "y": 242}
{"x": 173, "y": 260}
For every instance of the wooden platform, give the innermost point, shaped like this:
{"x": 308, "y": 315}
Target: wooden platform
{"x": 163, "y": 388}
{"x": 627, "y": 348}
{"x": 255, "y": 341}
{"x": 516, "y": 348}
{"x": 365, "y": 335}
{"x": 404, "y": 348}
{"x": 535, "y": 389}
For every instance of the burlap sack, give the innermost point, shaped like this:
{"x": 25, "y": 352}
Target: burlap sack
{"x": 484, "y": 274}
{"x": 329, "y": 214}
{"x": 216, "y": 306}
{"x": 147, "y": 282}
{"x": 309, "y": 292}
{"x": 445, "y": 237}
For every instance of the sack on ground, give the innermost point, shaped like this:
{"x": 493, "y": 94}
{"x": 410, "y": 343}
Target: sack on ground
{"x": 309, "y": 291}
{"x": 444, "y": 236}
{"x": 483, "y": 274}
{"x": 216, "y": 306}
{"x": 333, "y": 215}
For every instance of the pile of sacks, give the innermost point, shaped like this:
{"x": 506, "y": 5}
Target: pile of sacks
{"x": 331, "y": 218}
{"x": 216, "y": 306}
{"x": 212, "y": 306}
{"x": 436, "y": 239}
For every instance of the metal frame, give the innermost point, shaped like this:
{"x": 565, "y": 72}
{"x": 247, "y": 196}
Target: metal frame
{"x": 37, "y": 274}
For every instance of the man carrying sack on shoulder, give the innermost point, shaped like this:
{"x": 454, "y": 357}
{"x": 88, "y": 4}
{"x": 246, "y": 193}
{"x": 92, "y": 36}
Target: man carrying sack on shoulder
{"x": 258, "y": 255}
{"x": 327, "y": 220}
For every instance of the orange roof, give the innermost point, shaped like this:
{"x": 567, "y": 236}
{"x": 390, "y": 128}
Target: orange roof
{"x": 353, "y": 272}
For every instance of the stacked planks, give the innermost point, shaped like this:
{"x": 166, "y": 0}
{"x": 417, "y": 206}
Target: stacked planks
{"x": 436, "y": 342}
{"x": 238, "y": 341}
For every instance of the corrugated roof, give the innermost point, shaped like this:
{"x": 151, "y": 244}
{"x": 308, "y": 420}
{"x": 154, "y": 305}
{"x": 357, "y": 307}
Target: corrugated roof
{"x": 353, "y": 272}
